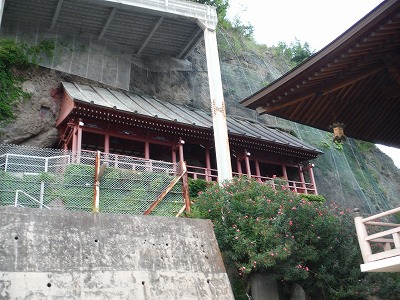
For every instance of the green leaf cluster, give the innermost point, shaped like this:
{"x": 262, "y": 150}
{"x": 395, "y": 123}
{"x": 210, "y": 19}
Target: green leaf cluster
{"x": 261, "y": 228}
{"x": 296, "y": 52}
{"x": 14, "y": 56}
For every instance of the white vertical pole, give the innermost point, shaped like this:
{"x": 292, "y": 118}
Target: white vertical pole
{"x": 1, "y": 9}
{"x": 96, "y": 191}
{"x": 218, "y": 107}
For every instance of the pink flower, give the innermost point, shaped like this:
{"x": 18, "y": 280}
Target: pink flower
{"x": 238, "y": 230}
{"x": 245, "y": 217}
{"x": 272, "y": 254}
{"x": 307, "y": 269}
{"x": 290, "y": 223}
{"x": 294, "y": 208}
{"x": 236, "y": 237}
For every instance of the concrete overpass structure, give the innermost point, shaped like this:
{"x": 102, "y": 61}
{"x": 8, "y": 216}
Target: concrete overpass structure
{"x": 100, "y": 40}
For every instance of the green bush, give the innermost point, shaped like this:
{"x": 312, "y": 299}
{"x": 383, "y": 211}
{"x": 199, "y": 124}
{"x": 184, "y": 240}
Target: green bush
{"x": 314, "y": 198}
{"x": 197, "y": 186}
{"x": 261, "y": 229}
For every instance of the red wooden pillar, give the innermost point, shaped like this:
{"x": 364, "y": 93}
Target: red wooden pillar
{"x": 79, "y": 137}
{"x": 147, "y": 148}
{"x": 208, "y": 164}
{"x": 173, "y": 154}
{"x": 74, "y": 138}
{"x": 181, "y": 143}
{"x": 106, "y": 148}
{"x": 247, "y": 161}
{"x": 239, "y": 165}
{"x": 107, "y": 143}
{"x": 302, "y": 180}
{"x": 258, "y": 173}
{"x": 284, "y": 172}
{"x": 311, "y": 172}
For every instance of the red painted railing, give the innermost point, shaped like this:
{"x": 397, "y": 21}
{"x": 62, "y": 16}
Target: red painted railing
{"x": 212, "y": 175}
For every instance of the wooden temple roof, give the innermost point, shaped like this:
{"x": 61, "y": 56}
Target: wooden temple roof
{"x": 354, "y": 80}
{"x": 129, "y": 109}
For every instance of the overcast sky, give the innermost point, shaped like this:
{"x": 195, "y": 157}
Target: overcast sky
{"x": 317, "y": 22}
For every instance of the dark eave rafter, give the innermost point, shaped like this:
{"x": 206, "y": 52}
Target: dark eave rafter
{"x": 323, "y": 91}
{"x": 355, "y": 80}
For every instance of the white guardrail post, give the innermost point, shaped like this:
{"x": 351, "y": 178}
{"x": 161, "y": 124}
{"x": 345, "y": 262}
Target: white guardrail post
{"x": 362, "y": 233}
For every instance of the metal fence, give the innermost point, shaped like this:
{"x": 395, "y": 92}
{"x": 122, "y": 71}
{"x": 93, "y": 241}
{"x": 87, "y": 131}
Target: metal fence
{"x": 58, "y": 179}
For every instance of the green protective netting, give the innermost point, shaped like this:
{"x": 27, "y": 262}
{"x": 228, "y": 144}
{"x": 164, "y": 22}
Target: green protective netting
{"x": 352, "y": 174}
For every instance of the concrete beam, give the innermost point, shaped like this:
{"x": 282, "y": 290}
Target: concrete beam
{"x": 1, "y": 9}
{"x": 218, "y": 107}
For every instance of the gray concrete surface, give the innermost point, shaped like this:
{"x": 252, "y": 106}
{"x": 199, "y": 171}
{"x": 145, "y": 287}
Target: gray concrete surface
{"x": 72, "y": 255}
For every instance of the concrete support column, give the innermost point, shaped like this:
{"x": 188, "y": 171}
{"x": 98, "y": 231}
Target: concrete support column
{"x": 217, "y": 106}
{"x": 1, "y": 9}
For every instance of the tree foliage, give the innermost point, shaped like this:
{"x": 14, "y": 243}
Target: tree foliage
{"x": 296, "y": 52}
{"x": 221, "y": 7}
{"x": 264, "y": 229}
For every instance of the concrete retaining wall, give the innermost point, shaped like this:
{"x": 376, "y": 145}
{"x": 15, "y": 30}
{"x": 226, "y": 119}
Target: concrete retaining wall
{"x": 71, "y": 255}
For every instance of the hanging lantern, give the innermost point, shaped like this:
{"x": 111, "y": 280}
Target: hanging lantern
{"x": 338, "y": 132}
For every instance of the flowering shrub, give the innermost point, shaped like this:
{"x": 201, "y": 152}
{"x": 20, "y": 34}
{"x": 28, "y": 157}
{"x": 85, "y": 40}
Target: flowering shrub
{"x": 265, "y": 229}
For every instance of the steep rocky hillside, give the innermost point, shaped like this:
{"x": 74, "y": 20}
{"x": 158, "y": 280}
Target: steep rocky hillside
{"x": 355, "y": 174}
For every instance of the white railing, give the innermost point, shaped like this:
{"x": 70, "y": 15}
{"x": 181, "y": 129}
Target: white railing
{"x": 30, "y": 163}
{"x": 375, "y": 240}
{"x": 191, "y": 9}
{"x": 35, "y": 201}
{"x": 212, "y": 175}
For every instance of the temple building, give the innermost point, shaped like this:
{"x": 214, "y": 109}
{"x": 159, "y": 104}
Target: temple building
{"x": 115, "y": 121}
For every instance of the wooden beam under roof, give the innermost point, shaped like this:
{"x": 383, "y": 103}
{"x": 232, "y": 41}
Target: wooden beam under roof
{"x": 56, "y": 14}
{"x": 107, "y": 23}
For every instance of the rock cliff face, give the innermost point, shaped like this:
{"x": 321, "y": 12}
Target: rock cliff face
{"x": 355, "y": 174}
